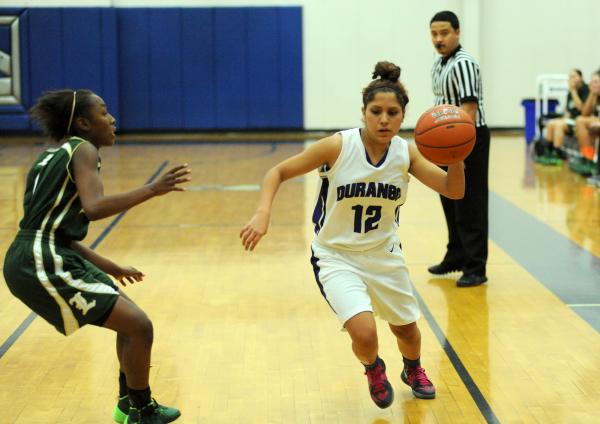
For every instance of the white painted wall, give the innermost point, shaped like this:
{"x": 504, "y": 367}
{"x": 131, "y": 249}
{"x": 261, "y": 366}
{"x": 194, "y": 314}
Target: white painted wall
{"x": 524, "y": 38}
{"x": 514, "y": 40}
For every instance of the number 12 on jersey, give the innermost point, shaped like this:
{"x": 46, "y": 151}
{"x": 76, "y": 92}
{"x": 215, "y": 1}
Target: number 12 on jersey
{"x": 372, "y": 215}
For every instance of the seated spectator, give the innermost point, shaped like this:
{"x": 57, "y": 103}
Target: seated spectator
{"x": 588, "y": 119}
{"x": 595, "y": 133}
{"x": 557, "y": 128}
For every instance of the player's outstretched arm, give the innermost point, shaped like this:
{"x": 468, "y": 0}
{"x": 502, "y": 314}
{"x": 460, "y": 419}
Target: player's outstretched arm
{"x": 91, "y": 191}
{"x": 123, "y": 274}
{"x": 450, "y": 184}
{"x": 324, "y": 151}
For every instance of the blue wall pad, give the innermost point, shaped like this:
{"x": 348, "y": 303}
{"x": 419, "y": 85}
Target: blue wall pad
{"x": 198, "y": 71}
{"x": 134, "y": 69}
{"x": 231, "y": 68}
{"x": 264, "y": 68}
{"x": 292, "y": 93}
{"x": 168, "y": 68}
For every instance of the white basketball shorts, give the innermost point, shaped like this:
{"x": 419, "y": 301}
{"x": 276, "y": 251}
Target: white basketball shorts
{"x": 375, "y": 281}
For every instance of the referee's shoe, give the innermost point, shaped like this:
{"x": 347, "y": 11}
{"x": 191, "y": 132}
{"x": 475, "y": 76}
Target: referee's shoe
{"x": 471, "y": 280}
{"x": 444, "y": 268}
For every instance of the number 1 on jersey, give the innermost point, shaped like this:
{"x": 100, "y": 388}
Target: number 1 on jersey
{"x": 373, "y": 214}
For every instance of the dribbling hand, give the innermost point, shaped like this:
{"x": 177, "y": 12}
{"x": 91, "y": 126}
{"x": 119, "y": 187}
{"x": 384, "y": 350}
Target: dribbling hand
{"x": 254, "y": 230}
{"x": 170, "y": 180}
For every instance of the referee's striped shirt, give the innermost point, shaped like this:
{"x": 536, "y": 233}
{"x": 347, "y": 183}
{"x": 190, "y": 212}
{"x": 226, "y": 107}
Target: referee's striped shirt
{"x": 456, "y": 80}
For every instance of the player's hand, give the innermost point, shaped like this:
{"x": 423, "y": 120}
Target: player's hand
{"x": 254, "y": 230}
{"x": 129, "y": 275}
{"x": 170, "y": 180}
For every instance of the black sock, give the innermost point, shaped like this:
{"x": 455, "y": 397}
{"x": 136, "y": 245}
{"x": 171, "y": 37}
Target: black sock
{"x": 411, "y": 363}
{"x": 371, "y": 366}
{"x": 139, "y": 398}
{"x": 122, "y": 384}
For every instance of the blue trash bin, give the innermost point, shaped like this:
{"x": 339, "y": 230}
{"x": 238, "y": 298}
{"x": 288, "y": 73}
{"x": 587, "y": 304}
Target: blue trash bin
{"x": 529, "y": 105}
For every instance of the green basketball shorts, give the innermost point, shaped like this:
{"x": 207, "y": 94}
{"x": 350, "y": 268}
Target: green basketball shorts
{"x": 57, "y": 283}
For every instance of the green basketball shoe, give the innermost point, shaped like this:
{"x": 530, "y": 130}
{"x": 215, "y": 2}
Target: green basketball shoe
{"x": 122, "y": 415}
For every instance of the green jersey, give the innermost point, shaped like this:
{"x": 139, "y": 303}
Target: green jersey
{"x": 41, "y": 268}
{"x": 51, "y": 203}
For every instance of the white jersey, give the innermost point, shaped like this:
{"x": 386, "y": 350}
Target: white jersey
{"x": 358, "y": 203}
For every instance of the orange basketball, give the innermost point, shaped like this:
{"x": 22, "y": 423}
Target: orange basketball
{"x": 445, "y": 134}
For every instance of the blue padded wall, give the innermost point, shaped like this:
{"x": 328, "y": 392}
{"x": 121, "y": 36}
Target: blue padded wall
{"x": 231, "y": 64}
{"x": 263, "y": 68}
{"x": 45, "y": 51}
{"x": 134, "y": 61}
{"x": 82, "y": 66}
{"x": 110, "y": 60}
{"x": 65, "y": 48}
{"x": 198, "y": 72}
{"x": 211, "y": 68}
{"x": 170, "y": 68}
{"x": 88, "y": 53}
{"x": 292, "y": 91}
{"x": 166, "y": 83}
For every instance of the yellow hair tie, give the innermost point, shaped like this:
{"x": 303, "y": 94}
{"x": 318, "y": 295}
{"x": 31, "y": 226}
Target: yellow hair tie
{"x": 72, "y": 112}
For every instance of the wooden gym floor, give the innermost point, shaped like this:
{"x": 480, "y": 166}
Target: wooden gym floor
{"x": 246, "y": 337}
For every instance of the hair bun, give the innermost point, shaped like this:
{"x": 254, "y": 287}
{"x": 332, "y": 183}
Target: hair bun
{"x": 387, "y": 71}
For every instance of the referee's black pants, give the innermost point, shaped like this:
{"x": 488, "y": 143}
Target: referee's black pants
{"x": 467, "y": 218}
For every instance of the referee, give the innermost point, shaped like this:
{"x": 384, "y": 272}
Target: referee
{"x": 456, "y": 80}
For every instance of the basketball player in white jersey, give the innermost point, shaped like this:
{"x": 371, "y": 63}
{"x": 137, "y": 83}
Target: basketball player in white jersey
{"x": 356, "y": 255}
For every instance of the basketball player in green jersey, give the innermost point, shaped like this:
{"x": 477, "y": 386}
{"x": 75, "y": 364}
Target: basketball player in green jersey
{"x": 53, "y": 273}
